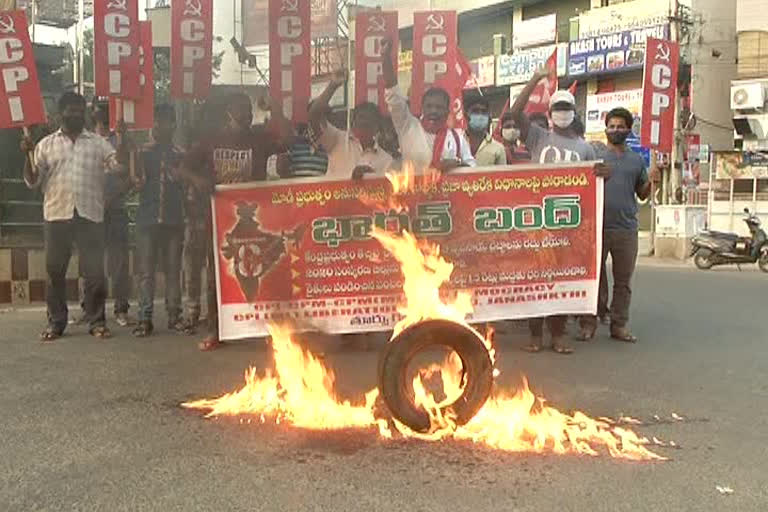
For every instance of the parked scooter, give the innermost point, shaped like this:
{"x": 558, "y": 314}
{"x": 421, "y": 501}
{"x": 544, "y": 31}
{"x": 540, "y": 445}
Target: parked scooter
{"x": 712, "y": 248}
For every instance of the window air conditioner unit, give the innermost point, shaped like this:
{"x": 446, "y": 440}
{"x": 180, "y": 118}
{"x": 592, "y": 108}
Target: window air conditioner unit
{"x": 748, "y": 96}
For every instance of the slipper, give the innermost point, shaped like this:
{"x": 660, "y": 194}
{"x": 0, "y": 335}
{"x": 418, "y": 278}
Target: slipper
{"x": 49, "y": 335}
{"x": 100, "y": 332}
{"x": 624, "y": 335}
{"x": 532, "y": 348}
{"x": 562, "y": 349}
{"x": 210, "y": 344}
{"x": 586, "y": 335}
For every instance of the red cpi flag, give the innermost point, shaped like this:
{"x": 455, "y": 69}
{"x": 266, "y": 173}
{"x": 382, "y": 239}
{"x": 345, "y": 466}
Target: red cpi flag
{"x": 22, "y": 102}
{"x": 572, "y": 88}
{"x": 454, "y": 83}
{"x": 289, "y": 58}
{"x": 370, "y": 29}
{"x": 138, "y": 114}
{"x": 191, "y": 48}
{"x": 116, "y": 42}
{"x": 539, "y": 99}
{"x": 435, "y": 40}
{"x": 659, "y": 86}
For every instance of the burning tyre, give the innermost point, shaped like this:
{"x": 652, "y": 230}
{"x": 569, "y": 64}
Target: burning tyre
{"x": 397, "y": 391}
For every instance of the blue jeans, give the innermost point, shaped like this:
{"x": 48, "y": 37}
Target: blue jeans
{"x": 163, "y": 244}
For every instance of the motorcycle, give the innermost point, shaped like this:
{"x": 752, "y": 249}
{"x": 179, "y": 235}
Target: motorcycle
{"x": 712, "y": 248}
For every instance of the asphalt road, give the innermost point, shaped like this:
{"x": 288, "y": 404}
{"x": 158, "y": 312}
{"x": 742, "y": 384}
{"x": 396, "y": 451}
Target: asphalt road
{"x": 90, "y": 425}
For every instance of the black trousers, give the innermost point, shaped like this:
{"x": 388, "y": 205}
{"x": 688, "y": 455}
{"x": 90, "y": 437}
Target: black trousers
{"x": 116, "y": 243}
{"x": 89, "y": 238}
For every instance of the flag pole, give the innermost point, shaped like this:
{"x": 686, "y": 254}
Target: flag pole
{"x": 349, "y": 75}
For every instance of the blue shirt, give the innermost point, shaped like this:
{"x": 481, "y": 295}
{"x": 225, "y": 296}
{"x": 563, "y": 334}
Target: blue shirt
{"x": 161, "y": 200}
{"x": 629, "y": 172}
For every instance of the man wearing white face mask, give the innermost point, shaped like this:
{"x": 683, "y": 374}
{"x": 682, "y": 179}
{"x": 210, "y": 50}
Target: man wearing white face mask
{"x": 485, "y": 149}
{"x": 561, "y": 144}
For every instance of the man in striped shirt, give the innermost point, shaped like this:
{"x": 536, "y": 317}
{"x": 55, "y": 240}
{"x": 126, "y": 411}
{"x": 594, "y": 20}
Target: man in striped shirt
{"x": 70, "y": 167}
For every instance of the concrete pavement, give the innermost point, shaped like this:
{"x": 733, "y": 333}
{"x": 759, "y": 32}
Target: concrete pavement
{"x": 90, "y": 425}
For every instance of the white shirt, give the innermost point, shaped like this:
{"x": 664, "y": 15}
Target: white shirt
{"x": 72, "y": 175}
{"x": 343, "y": 158}
{"x": 416, "y": 144}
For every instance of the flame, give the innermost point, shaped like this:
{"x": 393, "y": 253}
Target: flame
{"x": 301, "y": 389}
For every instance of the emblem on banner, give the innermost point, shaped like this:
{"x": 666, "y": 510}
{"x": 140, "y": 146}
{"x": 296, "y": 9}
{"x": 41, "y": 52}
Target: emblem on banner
{"x": 435, "y": 22}
{"x": 193, "y": 8}
{"x": 7, "y": 25}
{"x": 254, "y": 252}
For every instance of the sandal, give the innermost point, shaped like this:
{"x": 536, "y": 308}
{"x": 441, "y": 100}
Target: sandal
{"x": 623, "y": 334}
{"x": 534, "y": 346}
{"x": 49, "y": 335}
{"x": 562, "y": 349}
{"x": 586, "y": 335}
{"x": 100, "y": 332}
{"x": 210, "y": 343}
{"x": 143, "y": 330}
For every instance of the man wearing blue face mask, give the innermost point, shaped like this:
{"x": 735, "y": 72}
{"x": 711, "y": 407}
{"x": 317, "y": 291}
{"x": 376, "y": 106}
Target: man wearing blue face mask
{"x": 484, "y": 148}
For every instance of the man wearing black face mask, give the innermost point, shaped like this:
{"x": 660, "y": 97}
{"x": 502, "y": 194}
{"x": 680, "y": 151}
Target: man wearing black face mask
{"x": 69, "y": 166}
{"x": 629, "y": 178}
{"x": 235, "y": 153}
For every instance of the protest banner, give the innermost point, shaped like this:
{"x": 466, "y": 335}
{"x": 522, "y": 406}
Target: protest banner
{"x": 526, "y": 242}
{"x": 290, "y": 67}
{"x": 116, "y": 41}
{"x": 138, "y": 114}
{"x": 435, "y": 41}
{"x": 22, "y": 103}
{"x": 370, "y": 29}
{"x": 659, "y": 95}
{"x": 191, "y": 48}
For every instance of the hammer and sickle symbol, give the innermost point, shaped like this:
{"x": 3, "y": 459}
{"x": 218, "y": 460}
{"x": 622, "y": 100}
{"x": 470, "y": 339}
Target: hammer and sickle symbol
{"x": 435, "y": 22}
{"x": 118, "y": 4}
{"x": 7, "y": 25}
{"x": 377, "y": 24}
{"x": 290, "y": 5}
{"x": 663, "y": 52}
{"x": 193, "y": 8}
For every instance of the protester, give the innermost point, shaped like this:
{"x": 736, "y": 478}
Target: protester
{"x": 629, "y": 178}
{"x": 349, "y": 155}
{"x": 160, "y": 223}
{"x": 428, "y": 142}
{"x": 389, "y": 142}
{"x": 484, "y": 148}
{"x": 70, "y": 167}
{"x": 561, "y": 144}
{"x": 196, "y": 237}
{"x": 515, "y": 149}
{"x": 305, "y": 159}
{"x": 236, "y": 154}
{"x": 116, "y": 226}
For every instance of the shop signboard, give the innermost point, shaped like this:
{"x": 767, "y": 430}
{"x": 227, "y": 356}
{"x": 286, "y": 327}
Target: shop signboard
{"x": 534, "y": 31}
{"x": 610, "y": 53}
{"x": 521, "y": 65}
{"x": 623, "y": 16}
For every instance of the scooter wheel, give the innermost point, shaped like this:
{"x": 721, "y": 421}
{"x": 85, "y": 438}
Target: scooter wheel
{"x": 703, "y": 259}
{"x": 763, "y": 262}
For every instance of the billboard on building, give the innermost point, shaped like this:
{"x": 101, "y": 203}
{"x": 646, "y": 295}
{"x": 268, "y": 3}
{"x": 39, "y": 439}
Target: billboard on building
{"x": 624, "y": 16}
{"x": 534, "y": 31}
{"x": 610, "y": 53}
{"x": 256, "y": 20}
{"x": 598, "y": 105}
{"x": 483, "y": 72}
{"x": 521, "y": 65}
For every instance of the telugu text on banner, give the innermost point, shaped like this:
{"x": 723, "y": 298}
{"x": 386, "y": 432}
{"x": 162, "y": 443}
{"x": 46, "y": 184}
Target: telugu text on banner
{"x": 525, "y": 242}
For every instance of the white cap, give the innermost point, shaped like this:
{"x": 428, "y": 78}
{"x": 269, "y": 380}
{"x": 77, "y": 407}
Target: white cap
{"x": 562, "y": 96}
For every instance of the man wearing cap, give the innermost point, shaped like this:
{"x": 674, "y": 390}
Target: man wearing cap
{"x": 561, "y": 144}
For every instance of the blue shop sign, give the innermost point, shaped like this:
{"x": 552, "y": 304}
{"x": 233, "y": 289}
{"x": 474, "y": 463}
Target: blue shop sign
{"x": 610, "y": 53}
